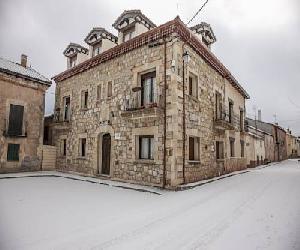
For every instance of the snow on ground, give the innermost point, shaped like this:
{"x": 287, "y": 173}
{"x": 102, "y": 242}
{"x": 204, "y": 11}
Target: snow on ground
{"x": 259, "y": 209}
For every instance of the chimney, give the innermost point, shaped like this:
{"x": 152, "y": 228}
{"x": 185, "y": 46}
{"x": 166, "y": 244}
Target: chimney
{"x": 24, "y": 60}
{"x": 259, "y": 115}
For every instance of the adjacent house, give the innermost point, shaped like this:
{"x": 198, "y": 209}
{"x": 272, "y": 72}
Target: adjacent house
{"x": 291, "y": 143}
{"x": 265, "y": 130}
{"x": 255, "y": 145}
{"x": 22, "y": 102}
{"x": 152, "y": 105}
{"x": 279, "y": 135}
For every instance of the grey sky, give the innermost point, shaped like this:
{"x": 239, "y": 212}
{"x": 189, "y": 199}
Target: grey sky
{"x": 257, "y": 40}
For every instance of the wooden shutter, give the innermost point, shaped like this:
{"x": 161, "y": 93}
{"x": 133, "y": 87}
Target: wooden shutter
{"x": 191, "y": 148}
{"x": 15, "y": 126}
{"x": 13, "y": 152}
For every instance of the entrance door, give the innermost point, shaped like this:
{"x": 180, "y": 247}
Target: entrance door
{"x": 106, "y": 144}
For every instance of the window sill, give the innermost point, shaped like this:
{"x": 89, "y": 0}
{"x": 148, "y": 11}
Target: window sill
{"x": 81, "y": 158}
{"x": 144, "y": 161}
{"x": 194, "y": 162}
{"x": 14, "y": 136}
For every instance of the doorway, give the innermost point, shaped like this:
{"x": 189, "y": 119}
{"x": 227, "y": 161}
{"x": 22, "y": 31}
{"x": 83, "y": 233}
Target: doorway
{"x": 106, "y": 148}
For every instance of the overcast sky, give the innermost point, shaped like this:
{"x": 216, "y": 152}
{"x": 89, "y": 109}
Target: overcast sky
{"x": 258, "y": 41}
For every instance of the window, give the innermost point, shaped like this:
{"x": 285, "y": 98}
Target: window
{"x": 84, "y": 99}
{"x": 13, "y": 152}
{"x": 15, "y": 126}
{"x": 128, "y": 34}
{"x": 148, "y": 88}
{"x": 82, "y": 147}
{"x": 146, "y": 143}
{"x": 230, "y": 114}
{"x": 109, "y": 89}
{"x": 193, "y": 85}
{"x": 194, "y": 149}
{"x": 64, "y": 147}
{"x": 67, "y": 110}
{"x": 220, "y": 150}
{"x": 97, "y": 49}
{"x": 72, "y": 61}
{"x": 99, "y": 92}
{"x": 231, "y": 141}
{"x": 242, "y": 148}
{"x": 218, "y": 106}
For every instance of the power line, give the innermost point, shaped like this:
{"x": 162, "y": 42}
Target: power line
{"x": 197, "y": 12}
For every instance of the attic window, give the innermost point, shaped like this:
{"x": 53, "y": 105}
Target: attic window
{"x": 72, "y": 61}
{"x": 97, "y": 49}
{"x": 128, "y": 34}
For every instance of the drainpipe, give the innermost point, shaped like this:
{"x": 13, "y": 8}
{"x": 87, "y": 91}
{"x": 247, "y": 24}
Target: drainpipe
{"x": 165, "y": 116}
{"x": 183, "y": 118}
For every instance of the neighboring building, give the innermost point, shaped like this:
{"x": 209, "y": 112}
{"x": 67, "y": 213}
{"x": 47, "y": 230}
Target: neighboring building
{"x": 298, "y": 146}
{"x": 280, "y": 143}
{"x": 269, "y": 142}
{"x": 255, "y": 145}
{"x": 22, "y": 101}
{"x": 157, "y": 109}
{"x": 291, "y": 143}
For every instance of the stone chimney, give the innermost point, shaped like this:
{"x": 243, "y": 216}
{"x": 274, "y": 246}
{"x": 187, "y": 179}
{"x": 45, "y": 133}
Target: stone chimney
{"x": 259, "y": 115}
{"x": 24, "y": 60}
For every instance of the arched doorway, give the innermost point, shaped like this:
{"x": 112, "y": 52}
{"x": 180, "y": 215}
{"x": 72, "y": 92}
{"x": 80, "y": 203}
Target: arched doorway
{"x": 106, "y": 148}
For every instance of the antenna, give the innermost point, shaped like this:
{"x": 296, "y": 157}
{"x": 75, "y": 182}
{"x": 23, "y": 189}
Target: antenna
{"x": 275, "y": 118}
{"x": 197, "y": 12}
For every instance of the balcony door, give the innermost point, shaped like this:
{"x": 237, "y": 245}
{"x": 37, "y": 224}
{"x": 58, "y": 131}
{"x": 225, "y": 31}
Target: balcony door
{"x": 148, "y": 89}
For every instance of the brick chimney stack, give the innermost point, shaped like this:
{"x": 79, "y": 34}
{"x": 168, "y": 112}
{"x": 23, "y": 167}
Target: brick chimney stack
{"x": 24, "y": 60}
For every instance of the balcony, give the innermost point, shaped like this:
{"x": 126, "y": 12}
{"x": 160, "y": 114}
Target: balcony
{"x": 226, "y": 120}
{"x": 60, "y": 122}
{"x": 137, "y": 106}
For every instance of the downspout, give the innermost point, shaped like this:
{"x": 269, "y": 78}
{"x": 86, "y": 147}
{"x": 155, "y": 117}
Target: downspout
{"x": 165, "y": 116}
{"x": 183, "y": 119}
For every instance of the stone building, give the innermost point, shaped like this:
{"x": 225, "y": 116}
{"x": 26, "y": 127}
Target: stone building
{"x": 280, "y": 143}
{"x": 22, "y": 101}
{"x": 152, "y": 106}
{"x": 291, "y": 144}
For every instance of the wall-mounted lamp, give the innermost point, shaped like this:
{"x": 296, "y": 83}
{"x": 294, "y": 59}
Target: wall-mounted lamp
{"x": 186, "y": 57}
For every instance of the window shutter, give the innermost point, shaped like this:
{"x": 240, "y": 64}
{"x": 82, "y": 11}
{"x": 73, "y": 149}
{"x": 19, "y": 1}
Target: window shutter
{"x": 13, "y": 152}
{"x": 15, "y": 120}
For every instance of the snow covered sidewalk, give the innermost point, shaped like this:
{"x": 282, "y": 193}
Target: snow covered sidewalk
{"x": 259, "y": 209}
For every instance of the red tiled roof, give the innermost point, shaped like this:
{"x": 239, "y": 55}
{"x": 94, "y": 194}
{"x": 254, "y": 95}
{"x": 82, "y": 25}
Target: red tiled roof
{"x": 167, "y": 29}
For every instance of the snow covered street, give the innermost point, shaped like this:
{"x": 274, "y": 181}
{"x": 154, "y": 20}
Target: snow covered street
{"x": 259, "y": 209}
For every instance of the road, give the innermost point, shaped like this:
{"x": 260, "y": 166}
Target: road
{"x": 256, "y": 210}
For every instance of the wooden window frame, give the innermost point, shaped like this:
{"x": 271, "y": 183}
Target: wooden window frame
{"x": 144, "y": 77}
{"x": 150, "y": 147}
{"x": 194, "y": 148}
{"x": 83, "y": 147}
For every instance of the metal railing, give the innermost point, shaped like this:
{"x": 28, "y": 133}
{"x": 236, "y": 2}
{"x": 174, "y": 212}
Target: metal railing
{"x": 230, "y": 118}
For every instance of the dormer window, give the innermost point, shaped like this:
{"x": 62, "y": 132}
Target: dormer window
{"x": 132, "y": 23}
{"x": 97, "y": 49}
{"x": 128, "y": 34}
{"x": 75, "y": 54}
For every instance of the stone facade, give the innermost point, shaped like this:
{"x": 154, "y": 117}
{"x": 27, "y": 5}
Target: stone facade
{"x": 27, "y": 93}
{"x": 105, "y": 102}
{"x": 292, "y": 144}
{"x": 280, "y": 143}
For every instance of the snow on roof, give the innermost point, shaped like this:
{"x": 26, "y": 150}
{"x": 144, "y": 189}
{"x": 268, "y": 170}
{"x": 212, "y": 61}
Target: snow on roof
{"x": 13, "y": 68}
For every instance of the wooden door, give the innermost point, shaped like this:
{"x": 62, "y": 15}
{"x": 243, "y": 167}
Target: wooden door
{"x": 106, "y": 145}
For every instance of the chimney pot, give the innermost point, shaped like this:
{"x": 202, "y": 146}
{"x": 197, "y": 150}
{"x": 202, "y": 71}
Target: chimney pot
{"x": 259, "y": 115}
{"x": 24, "y": 60}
